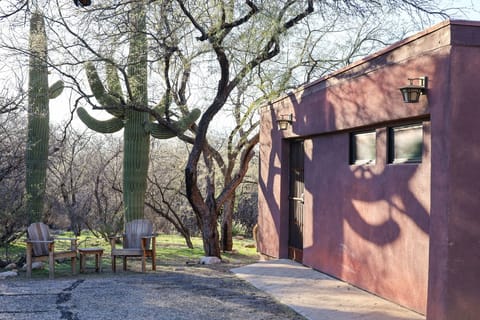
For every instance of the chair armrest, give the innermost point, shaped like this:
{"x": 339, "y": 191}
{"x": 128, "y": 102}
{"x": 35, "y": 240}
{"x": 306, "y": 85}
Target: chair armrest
{"x": 39, "y": 241}
{"x": 73, "y": 242}
{"x": 113, "y": 240}
{"x": 151, "y": 237}
{"x": 30, "y": 243}
{"x": 66, "y": 239}
{"x": 117, "y": 236}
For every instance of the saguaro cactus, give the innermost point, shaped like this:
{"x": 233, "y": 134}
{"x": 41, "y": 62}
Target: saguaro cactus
{"x": 38, "y": 117}
{"x": 138, "y": 126}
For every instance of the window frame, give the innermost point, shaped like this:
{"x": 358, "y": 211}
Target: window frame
{"x": 392, "y": 152}
{"x": 353, "y": 146}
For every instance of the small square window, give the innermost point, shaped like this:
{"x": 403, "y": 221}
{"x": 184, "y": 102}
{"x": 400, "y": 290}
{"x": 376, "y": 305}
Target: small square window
{"x": 405, "y": 144}
{"x": 363, "y": 147}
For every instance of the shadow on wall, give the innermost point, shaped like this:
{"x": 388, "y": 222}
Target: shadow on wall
{"x": 368, "y": 224}
{"x": 270, "y": 179}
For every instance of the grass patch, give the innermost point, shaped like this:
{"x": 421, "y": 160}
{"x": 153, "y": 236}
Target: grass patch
{"x": 171, "y": 250}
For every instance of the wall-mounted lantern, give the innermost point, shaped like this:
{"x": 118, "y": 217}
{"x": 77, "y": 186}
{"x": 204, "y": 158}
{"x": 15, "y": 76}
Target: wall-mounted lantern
{"x": 412, "y": 92}
{"x": 284, "y": 120}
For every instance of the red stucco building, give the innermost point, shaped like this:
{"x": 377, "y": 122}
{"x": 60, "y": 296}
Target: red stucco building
{"x": 378, "y": 192}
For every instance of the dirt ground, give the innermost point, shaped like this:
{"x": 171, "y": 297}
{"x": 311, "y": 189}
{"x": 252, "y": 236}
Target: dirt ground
{"x": 172, "y": 292}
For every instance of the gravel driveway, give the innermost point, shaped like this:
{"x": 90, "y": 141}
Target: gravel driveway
{"x": 193, "y": 292}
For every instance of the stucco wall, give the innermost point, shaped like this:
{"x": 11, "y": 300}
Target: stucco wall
{"x": 269, "y": 195}
{"x": 411, "y": 232}
{"x": 454, "y": 276}
{"x": 380, "y": 214}
{"x": 368, "y": 224}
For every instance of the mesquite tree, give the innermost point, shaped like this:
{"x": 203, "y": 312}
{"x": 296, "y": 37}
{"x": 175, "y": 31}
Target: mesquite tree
{"x": 12, "y": 156}
{"x": 206, "y": 205}
{"x": 242, "y": 38}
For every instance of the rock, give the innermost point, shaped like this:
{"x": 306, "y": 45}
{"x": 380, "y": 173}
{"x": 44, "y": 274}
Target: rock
{"x": 35, "y": 265}
{"x": 6, "y": 274}
{"x": 11, "y": 266}
{"x": 210, "y": 260}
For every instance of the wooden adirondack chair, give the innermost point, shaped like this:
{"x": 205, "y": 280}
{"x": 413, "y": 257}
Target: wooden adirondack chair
{"x": 41, "y": 247}
{"x": 138, "y": 241}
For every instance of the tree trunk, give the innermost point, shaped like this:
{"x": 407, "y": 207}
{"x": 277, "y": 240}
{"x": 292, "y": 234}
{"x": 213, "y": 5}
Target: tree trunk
{"x": 180, "y": 227}
{"x": 227, "y": 223}
{"x": 188, "y": 240}
{"x": 211, "y": 243}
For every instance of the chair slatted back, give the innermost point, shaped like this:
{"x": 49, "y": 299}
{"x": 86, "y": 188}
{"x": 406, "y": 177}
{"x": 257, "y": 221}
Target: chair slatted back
{"x": 134, "y": 231}
{"x": 39, "y": 232}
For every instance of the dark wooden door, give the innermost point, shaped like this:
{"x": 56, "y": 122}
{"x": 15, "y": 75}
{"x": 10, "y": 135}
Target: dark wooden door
{"x": 295, "y": 234}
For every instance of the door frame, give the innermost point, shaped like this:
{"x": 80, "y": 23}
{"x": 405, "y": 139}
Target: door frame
{"x": 296, "y": 188}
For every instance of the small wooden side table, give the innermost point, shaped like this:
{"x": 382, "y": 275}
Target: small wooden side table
{"x": 98, "y": 252}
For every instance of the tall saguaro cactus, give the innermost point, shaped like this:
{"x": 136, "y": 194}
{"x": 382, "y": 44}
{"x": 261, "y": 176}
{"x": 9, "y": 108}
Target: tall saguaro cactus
{"x": 39, "y": 93}
{"x": 137, "y": 125}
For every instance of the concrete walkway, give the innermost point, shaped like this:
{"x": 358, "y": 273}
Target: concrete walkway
{"x": 315, "y": 295}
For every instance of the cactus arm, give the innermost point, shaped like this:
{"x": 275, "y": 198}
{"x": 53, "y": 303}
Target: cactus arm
{"x": 185, "y": 122}
{"x": 159, "y": 131}
{"x": 103, "y": 126}
{"x": 55, "y": 89}
{"x": 113, "y": 82}
{"x": 105, "y": 99}
{"x": 162, "y": 105}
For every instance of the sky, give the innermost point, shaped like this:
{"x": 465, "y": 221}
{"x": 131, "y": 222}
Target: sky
{"x": 468, "y": 14}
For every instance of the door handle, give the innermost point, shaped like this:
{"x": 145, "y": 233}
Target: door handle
{"x": 296, "y": 199}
